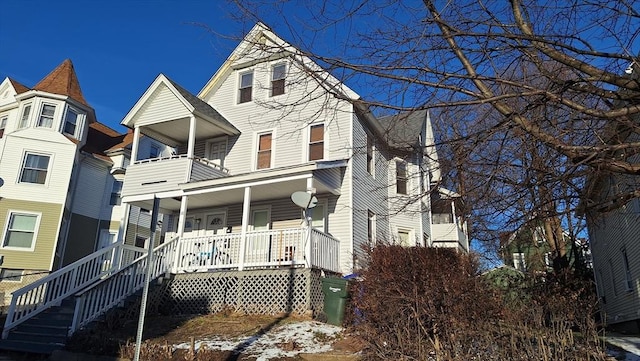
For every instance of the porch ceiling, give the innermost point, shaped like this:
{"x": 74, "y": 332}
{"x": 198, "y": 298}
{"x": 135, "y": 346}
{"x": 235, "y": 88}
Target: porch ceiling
{"x": 265, "y": 185}
{"x": 176, "y": 132}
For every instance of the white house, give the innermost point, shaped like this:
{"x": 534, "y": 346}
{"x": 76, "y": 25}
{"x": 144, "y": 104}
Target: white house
{"x": 269, "y": 124}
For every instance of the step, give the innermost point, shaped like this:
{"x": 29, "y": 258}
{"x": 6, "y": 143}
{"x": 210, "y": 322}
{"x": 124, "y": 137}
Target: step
{"x": 53, "y": 320}
{"x": 30, "y": 347}
{"x": 38, "y": 337}
{"x": 43, "y": 329}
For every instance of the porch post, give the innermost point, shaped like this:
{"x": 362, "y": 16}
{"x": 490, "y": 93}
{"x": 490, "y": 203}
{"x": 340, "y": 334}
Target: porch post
{"x": 183, "y": 215}
{"x": 192, "y": 136}
{"x": 246, "y": 204}
{"x": 453, "y": 212}
{"x": 307, "y": 246}
{"x": 135, "y": 144}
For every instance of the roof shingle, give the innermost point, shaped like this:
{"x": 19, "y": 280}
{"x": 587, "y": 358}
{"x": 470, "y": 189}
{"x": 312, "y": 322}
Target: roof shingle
{"x": 63, "y": 81}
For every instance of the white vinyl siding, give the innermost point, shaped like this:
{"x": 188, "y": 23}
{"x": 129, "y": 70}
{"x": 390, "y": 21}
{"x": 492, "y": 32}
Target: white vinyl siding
{"x": 162, "y": 106}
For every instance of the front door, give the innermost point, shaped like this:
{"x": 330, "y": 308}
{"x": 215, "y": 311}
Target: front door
{"x": 217, "y": 152}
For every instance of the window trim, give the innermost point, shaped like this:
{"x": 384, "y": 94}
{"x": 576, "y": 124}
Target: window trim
{"x": 117, "y": 194}
{"x": 402, "y": 180}
{"x": 257, "y": 149}
{"x": 311, "y": 142}
{"x": 207, "y": 148}
{"x": 371, "y": 155}
{"x": 410, "y": 236}
{"x": 25, "y": 116}
{"x": 12, "y": 280}
{"x": 628, "y": 279}
{"x": 240, "y": 87}
{"x": 371, "y": 227}
{"x": 274, "y": 80}
{"x": 41, "y": 114}
{"x": 5, "y": 231}
{"x": 78, "y": 125}
{"x": 4, "y": 119}
{"x": 22, "y": 167}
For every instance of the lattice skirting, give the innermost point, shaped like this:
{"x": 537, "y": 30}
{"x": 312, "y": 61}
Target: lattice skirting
{"x": 277, "y": 291}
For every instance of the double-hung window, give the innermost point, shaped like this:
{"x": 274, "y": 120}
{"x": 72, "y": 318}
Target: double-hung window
{"x": 70, "y": 126}
{"x": 401, "y": 177}
{"x": 628, "y": 280}
{"x": 34, "y": 168}
{"x": 264, "y": 151}
{"x": 116, "y": 192}
{"x": 246, "y": 87}
{"x": 371, "y": 227}
{"x": 316, "y": 142}
{"x": 278, "y": 75}
{"x": 21, "y": 230}
{"x": 46, "y": 115}
{"x": 370, "y": 163}
{"x": 24, "y": 118}
{"x": 3, "y": 124}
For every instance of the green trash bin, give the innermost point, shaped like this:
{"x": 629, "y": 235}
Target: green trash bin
{"x": 336, "y": 293}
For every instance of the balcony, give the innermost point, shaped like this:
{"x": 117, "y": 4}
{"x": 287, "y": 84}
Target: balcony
{"x": 164, "y": 174}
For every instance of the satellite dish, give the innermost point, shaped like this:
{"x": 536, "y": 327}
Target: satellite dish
{"x": 304, "y": 199}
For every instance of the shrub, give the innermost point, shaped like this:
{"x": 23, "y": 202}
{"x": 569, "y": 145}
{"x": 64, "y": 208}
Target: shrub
{"x": 432, "y": 304}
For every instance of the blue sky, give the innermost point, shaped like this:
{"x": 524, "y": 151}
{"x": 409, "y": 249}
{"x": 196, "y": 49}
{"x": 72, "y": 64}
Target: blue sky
{"x": 117, "y": 47}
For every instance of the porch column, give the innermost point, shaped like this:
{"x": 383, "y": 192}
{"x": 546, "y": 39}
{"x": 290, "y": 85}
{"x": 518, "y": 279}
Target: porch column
{"x": 183, "y": 215}
{"x": 307, "y": 246}
{"x": 453, "y": 213}
{"x": 192, "y": 136}
{"x": 136, "y": 143}
{"x": 246, "y": 204}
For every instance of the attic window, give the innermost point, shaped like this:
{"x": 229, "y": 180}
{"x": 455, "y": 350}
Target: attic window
{"x": 277, "y": 79}
{"x": 246, "y": 87}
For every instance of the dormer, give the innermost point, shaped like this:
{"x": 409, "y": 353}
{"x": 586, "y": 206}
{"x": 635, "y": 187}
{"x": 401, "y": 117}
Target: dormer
{"x": 56, "y": 103}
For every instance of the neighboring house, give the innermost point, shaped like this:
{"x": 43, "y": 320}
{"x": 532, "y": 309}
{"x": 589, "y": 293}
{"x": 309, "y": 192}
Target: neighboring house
{"x": 61, "y": 175}
{"x": 613, "y": 234}
{"x": 527, "y": 250}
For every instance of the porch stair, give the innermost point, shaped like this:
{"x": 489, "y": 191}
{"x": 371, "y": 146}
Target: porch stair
{"x": 43, "y": 333}
{"x": 42, "y": 315}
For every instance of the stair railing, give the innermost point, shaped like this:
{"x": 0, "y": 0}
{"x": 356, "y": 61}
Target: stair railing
{"x": 109, "y": 292}
{"x": 49, "y": 291}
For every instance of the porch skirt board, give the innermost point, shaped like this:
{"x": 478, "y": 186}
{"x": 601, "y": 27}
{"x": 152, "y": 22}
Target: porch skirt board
{"x": 273, "y": 292}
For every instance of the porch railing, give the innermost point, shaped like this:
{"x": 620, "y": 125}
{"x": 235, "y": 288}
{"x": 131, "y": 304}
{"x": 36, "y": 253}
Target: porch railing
{"x": 263, "y": 249}
{"x": 36, "y": 297}
{"x": 325, "y": 251}
{"x": 107, "y": 293}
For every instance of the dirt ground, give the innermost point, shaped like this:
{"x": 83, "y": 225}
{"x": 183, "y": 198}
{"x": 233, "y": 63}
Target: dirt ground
{"x": 162, "y": 333}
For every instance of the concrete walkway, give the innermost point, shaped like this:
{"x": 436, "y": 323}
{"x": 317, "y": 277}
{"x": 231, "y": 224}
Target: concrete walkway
{"x": 631, "y": 344}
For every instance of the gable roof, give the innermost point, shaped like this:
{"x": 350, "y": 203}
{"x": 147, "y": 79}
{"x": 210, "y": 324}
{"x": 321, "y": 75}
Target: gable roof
{"x": 63, "y": 81}
{"x": 261, "y": 35}
{"x": 403, "y": 130}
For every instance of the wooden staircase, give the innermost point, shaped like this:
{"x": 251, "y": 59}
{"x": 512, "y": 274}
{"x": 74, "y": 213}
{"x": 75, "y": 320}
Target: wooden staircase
{"x": 43, "y": 333}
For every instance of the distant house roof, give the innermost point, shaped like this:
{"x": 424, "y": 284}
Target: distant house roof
{"x": 63, "y": 81}
{"x": 403, "y": 129}
{"x": 19, "y": 88}
{"x": 101, "y": 139}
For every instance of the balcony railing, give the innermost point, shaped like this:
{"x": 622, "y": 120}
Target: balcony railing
{"x": 165, "y": 173}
